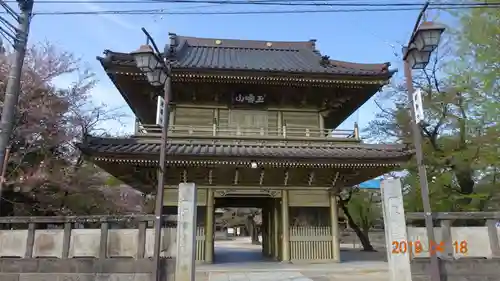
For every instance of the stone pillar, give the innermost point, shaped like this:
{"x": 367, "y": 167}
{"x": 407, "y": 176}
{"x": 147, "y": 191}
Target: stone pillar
{"x": 186, "y": 233}
{"x": 276, "y": 229}
{"x": 334, "y": 220}
{"x": 395, "y": 229}
{"x": 209, "y": 227}
{"x": 285, "y": 224}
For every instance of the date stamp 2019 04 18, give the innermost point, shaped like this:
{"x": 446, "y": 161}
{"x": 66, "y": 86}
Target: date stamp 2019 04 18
{"x": 402, "y": 247}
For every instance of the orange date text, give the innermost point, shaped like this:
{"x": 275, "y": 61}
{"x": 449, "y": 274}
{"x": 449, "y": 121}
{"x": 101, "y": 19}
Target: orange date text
{"x": 402, "y": 247}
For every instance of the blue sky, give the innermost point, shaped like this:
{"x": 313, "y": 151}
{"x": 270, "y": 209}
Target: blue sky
{"x": 369, "y": 37}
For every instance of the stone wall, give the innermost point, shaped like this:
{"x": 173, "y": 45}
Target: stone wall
{"x": 464, "y": 269}
{"x": 84, "y": 269}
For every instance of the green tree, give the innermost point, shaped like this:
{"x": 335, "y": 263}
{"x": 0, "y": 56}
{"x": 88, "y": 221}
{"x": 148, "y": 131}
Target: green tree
{"x": 462, "y": 105}
{"x": 362, "y": 210}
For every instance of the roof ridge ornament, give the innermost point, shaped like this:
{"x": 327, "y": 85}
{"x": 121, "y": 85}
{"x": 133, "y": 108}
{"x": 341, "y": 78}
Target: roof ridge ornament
{"x": 171, "y": 48}
{"x": 313, "y": 43}
{"x": 325, "y": 61}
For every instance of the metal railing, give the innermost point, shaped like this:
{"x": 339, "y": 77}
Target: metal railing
{"x": 284, "y": 132}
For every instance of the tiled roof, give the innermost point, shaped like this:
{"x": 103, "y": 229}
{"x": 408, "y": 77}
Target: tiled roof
{"x": 230, "y": 54}
{"x": 338, "y": 151}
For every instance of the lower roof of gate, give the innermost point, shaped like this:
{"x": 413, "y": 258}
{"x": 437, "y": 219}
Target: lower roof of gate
{"x": 118, "y": 150}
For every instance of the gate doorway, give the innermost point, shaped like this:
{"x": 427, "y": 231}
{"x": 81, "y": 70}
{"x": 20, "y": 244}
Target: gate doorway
{"x": 242, "y": 233}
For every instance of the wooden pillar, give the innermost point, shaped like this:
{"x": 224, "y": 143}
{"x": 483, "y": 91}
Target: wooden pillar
{"x": 209, "y": 227}
{"x": 280, "y": 122}
{"x": 285, "y": 224}
{"x": 276, "y": 229}
{"x": 269, "y": 227}
{"x": 263, "y": 230}
{"x": 171, "y": 118}
{"x": 334, "y": 218}
{"x": 271, "y": 230}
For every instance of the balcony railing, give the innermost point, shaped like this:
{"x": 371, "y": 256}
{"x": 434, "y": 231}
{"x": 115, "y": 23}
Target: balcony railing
{"x": 241, "y": 132}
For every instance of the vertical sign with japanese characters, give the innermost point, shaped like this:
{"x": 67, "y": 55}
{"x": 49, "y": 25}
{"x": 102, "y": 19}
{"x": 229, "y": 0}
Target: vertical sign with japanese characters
{"x": 186, "y": 233}
{"x": 395, "y": 229}
{"x": 248, "y": 99}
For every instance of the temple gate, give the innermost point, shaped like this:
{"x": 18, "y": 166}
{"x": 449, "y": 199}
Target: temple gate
{"x": 252, "y": 122}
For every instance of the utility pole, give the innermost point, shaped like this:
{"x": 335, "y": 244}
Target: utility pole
{"x": 20, "y": 42}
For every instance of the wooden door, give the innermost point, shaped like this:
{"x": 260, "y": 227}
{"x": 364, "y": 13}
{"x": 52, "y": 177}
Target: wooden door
{"x": 248, "y": 121}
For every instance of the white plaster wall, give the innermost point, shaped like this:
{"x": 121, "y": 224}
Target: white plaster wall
{"x": 169, "y": 237}
{"x": 124, "y": 242}
{"x": 478, "y": 243}
{"x": 48, "y": 243}
{"x": 477, "y": 240}
{"x": 418, "y": 234}
{"x": 84, "y": 243}
{"x": 13, "y": 243}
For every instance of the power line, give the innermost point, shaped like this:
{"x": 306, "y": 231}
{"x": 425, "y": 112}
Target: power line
{"x": 262, "y": 2}
{"x": 347, "y": 6}
{"x": 295, "y": 11}
{"x": 341, "y": 2}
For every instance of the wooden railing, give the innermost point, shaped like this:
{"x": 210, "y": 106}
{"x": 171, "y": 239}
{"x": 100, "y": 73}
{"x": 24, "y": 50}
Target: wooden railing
{"x": 89, "y": 236}
{"x": 480, "y": 240}
{"x": 311, "y": 243}
{"x": 241, "y": 132}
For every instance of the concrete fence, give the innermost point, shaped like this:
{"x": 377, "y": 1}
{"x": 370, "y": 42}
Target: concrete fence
{"x": 62, "y": 239}
{"x": 454, "y": 241}
{"x": 464, "y": 252}
{"x": 119, "y": 248}
{"x": 460, "y": 241}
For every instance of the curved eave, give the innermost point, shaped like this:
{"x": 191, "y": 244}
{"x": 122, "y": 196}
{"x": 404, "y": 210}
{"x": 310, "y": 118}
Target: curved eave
{"x": 282, "y": 163}
{"x": 130, "y": 151}
{"x": 142, "y": 109}
{"x": 354, "y": 75}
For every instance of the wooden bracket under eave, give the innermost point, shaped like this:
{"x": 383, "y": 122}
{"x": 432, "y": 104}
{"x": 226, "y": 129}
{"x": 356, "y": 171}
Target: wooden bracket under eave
{"x": 334, "y": 181}
{"x": 286, "y": 177}
{"x": 184, "y": 175}
{"x": 261, "y": 179}
{"x": 236, "y": 176}
{"x": 311, "y": 178}
{"x": 210, "y": 176}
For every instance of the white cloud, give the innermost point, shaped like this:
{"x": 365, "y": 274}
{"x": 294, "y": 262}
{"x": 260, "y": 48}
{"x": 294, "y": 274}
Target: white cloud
{"x": 111, "y": 18}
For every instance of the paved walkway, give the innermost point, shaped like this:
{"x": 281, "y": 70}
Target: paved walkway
{"x": 239, "y": 260}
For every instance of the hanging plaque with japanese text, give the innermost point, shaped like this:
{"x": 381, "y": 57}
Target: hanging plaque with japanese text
{"x": 248, "y": 99}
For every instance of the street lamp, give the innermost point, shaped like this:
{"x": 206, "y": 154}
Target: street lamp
{"x": 423, "y": 42}
{"x": 425, "y": 39}
{"x": 416, "y": 59}
{"x": 158, "y": 72}
{"x": 151, "y": 64}
{"x": 428, "y": 35}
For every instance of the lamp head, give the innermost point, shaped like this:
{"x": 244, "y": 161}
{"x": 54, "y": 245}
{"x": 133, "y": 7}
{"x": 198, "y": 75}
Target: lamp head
{"x": 428, "y": 36}
{"x": 415, "y": 58}
{"x": 145, "y": 59}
